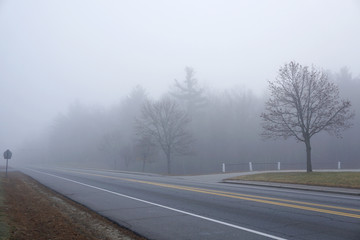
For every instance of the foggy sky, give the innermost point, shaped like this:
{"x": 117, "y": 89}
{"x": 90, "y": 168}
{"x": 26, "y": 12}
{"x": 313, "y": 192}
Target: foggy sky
{"x": 53, "y": 53}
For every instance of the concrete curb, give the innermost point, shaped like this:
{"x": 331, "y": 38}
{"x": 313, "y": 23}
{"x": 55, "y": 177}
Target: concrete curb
{"x": 346, "y": 191}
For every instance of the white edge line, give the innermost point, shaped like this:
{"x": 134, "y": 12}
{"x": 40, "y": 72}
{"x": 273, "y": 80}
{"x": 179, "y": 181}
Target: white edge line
{"x": 166, "y": 207}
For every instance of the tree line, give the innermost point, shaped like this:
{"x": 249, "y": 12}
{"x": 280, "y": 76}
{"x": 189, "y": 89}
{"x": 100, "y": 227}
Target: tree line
{"x": 192, "y": 129}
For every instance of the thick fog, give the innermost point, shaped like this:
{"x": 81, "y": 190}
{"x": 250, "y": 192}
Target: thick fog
{"x": 74, "y": 77}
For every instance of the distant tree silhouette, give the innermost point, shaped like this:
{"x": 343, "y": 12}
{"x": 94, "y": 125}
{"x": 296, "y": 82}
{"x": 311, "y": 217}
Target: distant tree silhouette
{"x": 164, "y": 123}
{"x": 145, "y": 149}
{"x": 189, "y": 91}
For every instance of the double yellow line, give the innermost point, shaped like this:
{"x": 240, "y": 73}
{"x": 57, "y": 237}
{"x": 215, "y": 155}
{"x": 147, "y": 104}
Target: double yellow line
{"x": 314, "y": 207}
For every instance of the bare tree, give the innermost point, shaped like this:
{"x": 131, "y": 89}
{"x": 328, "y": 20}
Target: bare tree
{"x": 145, "y": 150}
{"x": 110, "y": 145}
{"x": 165, "y": 123}
{"x": 126, "y": 153}
{"x": 303, "y": 103}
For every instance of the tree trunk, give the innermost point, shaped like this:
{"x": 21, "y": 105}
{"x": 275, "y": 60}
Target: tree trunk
{"x": 168, "y": 158}
{"x": 308, "y": 155}
{"x": 143, "y": 166}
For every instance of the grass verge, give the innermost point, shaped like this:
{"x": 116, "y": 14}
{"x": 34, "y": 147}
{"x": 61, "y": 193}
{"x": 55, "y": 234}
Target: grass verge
{"x": 4, "y": 227}
{"x": 328, "y": 179}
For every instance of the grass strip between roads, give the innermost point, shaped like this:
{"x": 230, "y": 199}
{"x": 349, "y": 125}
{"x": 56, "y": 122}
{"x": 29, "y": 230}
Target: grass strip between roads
{"x": 328, "y": 179}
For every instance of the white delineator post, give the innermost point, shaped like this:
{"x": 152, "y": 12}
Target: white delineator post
{"x": 223, "y": 167}
{"x": 250, "y": 166}
{"x": 278, "y": 166}
{"x": 339, "y": 165}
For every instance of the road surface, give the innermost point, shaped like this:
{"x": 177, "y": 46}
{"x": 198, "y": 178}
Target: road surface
{"x": 161, "y": 207}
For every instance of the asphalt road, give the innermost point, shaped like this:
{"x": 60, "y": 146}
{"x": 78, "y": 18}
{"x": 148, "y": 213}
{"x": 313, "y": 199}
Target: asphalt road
{"x": 160, "y": 207}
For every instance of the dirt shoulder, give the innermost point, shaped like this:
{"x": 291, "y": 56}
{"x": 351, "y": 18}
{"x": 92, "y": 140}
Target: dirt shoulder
{"x": 32, "y": 211}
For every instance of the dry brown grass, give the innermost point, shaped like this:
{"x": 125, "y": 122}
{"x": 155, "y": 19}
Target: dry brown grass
{"x": 329, "y": 179}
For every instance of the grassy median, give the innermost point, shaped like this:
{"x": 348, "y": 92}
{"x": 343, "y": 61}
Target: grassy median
{"x": 328, "y": 179}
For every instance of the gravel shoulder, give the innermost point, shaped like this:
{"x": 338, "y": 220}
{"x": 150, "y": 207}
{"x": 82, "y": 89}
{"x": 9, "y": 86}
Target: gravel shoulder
{"x": 32, "y": 211}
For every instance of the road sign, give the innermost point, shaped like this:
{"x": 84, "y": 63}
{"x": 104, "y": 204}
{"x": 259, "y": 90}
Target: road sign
{"x": 7, "y": 154}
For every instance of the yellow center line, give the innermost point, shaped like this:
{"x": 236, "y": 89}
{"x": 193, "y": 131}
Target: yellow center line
{"x": 246, "y": 195}
{"x": 253, "y": 198}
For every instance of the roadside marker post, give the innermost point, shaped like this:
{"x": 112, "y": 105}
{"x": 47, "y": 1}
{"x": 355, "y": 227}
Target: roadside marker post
{"x": 7, "y": 156}
{"x": 250, "y": 166}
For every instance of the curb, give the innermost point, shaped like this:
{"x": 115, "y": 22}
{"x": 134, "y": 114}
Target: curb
{"x": 344, "y": 191}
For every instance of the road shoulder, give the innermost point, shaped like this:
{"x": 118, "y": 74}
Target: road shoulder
{"x": 36, "y": 212}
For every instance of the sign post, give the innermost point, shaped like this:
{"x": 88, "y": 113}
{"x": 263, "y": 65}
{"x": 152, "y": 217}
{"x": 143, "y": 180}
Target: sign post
{"x": 7, "y": 156}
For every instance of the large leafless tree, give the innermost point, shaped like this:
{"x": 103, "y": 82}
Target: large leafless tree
{"x": 166, "y": 124}
{"x": 303, "y": 103}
